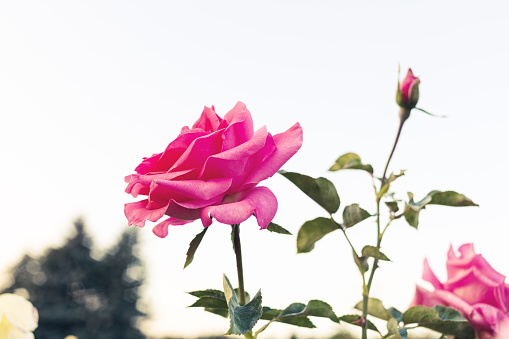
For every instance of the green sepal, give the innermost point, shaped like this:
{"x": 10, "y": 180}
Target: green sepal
{"x": 273, "y": 227}
{"x": 441, "y": 319}
{"x": 193, "y": 246}
{"x": 312, "y": 231}
{"x": 321, "y": 190}
{"x": 242, "y": 318}
{"x": 353, "y": 214}
{"x": 355, "y": 319}
{"x": 373, "y": 252}
{"x": 434, "y": 115}
{"x": 350, "y": 161}
{"x": 376, "y": 309}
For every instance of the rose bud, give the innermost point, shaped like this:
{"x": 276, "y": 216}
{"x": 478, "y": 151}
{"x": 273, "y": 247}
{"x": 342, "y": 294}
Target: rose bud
{"x": 408, "y": 91}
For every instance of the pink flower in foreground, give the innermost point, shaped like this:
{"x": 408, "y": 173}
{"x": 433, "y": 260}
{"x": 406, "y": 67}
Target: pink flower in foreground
{"x": 211, "y": 171}
{"x": 408, "y": 91}
{"x": 473, "y": 287}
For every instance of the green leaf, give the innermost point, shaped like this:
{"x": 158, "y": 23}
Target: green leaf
{"x": 403, "y": 332}
{"x": 273, "y": 227}
{"x": 350, "y": 161}
{"x": 361, "y": 263}
{"x": 242, "y": 318}
{"x": 272, "y": 314}
{"x": 450, "y": 198}
{"x": 312, "y": 231}
{"x": 353, "y": 214}
{"x": 193, "y": 246}
{"x": 376, "y": 309}
{"x": 355, "y": 319}
{"x": 393, "y": 329}
{"x": 373, "y": 252}
{"x": 447, "y": 198}
{"x": 297, "y": 313}
{"x": 210, "y": 302}
{"x": 207, "y": 293}
{"x": 396, "y": 314}
{"x": 321, "y": 190}
{"x": 393, "y": 206}
{"x": 441, "y": 319}
{"x": 387, "y": 184}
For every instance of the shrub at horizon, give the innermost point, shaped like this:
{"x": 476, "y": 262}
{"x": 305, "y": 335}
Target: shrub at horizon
{"x": 76, "y": 294}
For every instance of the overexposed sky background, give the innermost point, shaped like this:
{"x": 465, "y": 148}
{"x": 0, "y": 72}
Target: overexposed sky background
{"x": 88, "y": 88}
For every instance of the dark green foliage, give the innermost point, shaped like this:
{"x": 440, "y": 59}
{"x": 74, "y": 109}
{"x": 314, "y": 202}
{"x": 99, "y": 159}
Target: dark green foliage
{"x": 441, "y": 319}
{"x": 273, "y": 227}
{"x": 242, "y": 317}
{"x": 193, "y": 246}
{"x": 312, "y": 231}
{"x": 353, "y": 214}
{"x": 76, "y": 294}
{"x": 350, "y": 161}
{"x": 321, "y": 190}
{"x": 373, "y": 252}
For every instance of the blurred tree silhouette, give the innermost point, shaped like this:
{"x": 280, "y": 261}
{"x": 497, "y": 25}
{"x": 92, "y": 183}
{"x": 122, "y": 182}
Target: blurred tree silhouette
{"x": 76, "y": 294}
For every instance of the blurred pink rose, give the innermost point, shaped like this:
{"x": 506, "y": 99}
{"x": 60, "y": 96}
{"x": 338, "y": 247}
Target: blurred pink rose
{"x": 473, "y": 287}
{"x": 408, "y": 91}
{"x": 211, "y": 171}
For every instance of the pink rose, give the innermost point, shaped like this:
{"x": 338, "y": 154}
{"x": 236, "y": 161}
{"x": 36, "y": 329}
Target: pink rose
{"x": 473, "y": 287}
{"x": 408, "y": 91}
{"x": 211, "y": 171}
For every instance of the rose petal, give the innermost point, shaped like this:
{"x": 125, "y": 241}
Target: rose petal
{"x": 240, "y": 127}
{"x": 424, "y": 297}
{"x": 183, "y": 190}
{"x": 468, "y": 258}
{"x": 240, "y": 206}
{"x": 235, "y": 163}
{"x": 189, "y": 210}
{"x": 486, "y": 318}
{"x": 137, "y": 213}
{"x": 140, "y": 184}
{"x": 429, "y": 276}
{"x": 198, "y": 151}
{"x": 161, "y": 229}
{"x": 474, "y": 287}
{"x": 165, "y": 160}
{"x": 407, "y": 82}
{"x": 287, "y": 144}
{"x": 209, "y": 121}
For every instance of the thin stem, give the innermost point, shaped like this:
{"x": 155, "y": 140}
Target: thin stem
{"x": 365, "y": 295}
{"x": 404, "y": 114}
{"x": 238, "y": 256}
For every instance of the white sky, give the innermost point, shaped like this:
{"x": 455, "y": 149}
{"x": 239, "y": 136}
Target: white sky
{"x": 87, "y": 88}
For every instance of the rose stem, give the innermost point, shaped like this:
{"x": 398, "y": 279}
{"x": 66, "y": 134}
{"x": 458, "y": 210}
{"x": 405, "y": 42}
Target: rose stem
{"x": 404, "y": 114}
{"x": 238, "y": 255}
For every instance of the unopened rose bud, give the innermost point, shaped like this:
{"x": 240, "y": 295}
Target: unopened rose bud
{"x": 408, "y": 91}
